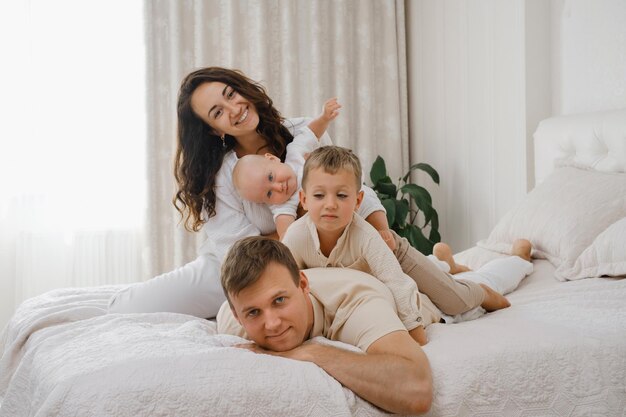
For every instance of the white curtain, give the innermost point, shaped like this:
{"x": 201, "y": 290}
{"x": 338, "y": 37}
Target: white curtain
{"x": 72, "y": 146}
{"x": 303, "y": 52}
{"x": 76, "y": 207}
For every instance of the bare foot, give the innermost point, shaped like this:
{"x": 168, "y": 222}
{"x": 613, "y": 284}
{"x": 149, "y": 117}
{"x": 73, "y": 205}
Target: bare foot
{"x": 522, "y": 248}
{"x": 443, "y": 252}
{"x": 493, "y": 300}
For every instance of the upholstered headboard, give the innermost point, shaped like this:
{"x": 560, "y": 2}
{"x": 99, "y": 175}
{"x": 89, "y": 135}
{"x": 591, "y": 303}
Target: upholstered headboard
{"x": 591, "y": 140}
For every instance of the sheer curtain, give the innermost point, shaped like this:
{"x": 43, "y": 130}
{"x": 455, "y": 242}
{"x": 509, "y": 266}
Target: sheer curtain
{"x": 74, "y": 150}
{"x": 72, "y": 146}
{"x": 303, "y": 52}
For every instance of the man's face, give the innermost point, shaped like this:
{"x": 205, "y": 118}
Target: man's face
{"x": 276, "y": 314}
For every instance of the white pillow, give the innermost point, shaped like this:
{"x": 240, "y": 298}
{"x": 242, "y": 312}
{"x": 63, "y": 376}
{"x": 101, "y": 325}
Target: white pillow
{"x": 563, "y": 215}
{"x": 606, "y": 255}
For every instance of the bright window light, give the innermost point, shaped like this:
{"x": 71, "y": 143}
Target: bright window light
{"x": 73, "y": 145}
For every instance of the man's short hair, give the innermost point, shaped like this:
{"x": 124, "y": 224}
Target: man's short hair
{"x": 331, "y": 159}
{"x": 247, "y": 259}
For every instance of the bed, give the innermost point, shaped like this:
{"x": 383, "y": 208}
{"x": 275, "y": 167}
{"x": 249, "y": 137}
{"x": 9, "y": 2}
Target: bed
{"x": 559, "y": 350}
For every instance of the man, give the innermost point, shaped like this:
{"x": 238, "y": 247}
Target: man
{"x": 278, "y": 310}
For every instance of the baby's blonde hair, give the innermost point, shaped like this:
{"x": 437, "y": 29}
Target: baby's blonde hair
{"x": 331, "y": 159}
{"x": 246, "y": 160}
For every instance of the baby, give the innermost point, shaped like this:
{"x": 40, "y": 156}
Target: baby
{"x": 265, "y": 179}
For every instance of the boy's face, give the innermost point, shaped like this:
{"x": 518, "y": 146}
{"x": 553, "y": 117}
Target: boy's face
{"x": 276, "y": 314}
{"x": 267, "y": 180}
{"x": 331, "y": 199}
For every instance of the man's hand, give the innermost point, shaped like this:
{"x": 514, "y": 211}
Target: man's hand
{"x": 394, "y": 374}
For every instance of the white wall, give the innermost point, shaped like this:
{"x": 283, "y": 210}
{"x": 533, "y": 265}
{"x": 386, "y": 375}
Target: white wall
{"x": 467, "y": 109}
{"x": 589, "y": 44}
{"x": 539, "y": 63}
{"x": 482, "y": 74}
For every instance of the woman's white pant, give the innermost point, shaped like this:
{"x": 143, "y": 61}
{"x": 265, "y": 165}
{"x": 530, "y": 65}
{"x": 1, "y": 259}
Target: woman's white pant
{"x": 502, "y": 275}
{"x": 193, "y": 289}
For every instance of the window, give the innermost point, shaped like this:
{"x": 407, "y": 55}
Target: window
{"x": 72, "y": 145}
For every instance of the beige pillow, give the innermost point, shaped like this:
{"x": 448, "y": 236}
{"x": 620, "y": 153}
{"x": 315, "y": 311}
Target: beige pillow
{"x": 563, "y": 216}
{"x": 605, "y": 257}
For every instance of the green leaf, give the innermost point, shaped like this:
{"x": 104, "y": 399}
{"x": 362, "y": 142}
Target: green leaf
{"x": 402, "y": 209}
{"x": 387, "y": 188}
{"x": 380, "y": 195}
{"x": 403, "y": 232}
{"x": 399, "y": 208}
{"x": 434, "y": 236}
{"x": 390, "y": 207}
{"x": 428, "y": 214}
{"x": 384, "y": 186}
{"x": 420, "y": 195}
{"x": 434, "y": 220}
{"x": 424, "y": 167}
{"x": 378, "y": 171}
{"x": 419, "y": 241}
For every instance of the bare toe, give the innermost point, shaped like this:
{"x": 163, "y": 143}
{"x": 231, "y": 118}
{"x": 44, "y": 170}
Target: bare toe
{"x": 442, "y": 251}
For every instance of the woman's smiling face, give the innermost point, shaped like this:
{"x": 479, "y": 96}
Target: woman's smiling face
{"x": 224, "y": 109}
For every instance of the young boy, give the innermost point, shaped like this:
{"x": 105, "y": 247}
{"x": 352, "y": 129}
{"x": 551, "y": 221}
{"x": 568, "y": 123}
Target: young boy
{"x": 331, "y": 234}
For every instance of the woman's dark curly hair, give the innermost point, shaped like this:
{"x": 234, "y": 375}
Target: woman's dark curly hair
{"x": 200, "y": 152}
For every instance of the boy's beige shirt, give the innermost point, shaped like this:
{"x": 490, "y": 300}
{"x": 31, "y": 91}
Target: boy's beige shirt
{"x": 360, "y": 247}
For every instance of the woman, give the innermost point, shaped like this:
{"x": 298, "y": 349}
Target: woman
{"x": 222, "y": 116}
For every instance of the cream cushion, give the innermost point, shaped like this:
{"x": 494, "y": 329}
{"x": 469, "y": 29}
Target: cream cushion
{"x": 563, "y": 216}
{"x": 606, "y": 256}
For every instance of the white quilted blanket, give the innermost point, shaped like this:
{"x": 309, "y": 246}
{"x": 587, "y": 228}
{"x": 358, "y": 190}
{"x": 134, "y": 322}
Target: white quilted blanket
{"x": 560, "y": 350}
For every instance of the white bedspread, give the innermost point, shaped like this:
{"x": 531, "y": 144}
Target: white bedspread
{"x": 64, "y": 356}
{"x": 560, "y": 350}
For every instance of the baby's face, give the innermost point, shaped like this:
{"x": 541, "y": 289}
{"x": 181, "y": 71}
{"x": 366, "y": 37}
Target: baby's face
{"x": 267, "y": 181}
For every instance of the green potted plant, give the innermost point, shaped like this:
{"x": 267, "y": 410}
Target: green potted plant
{"x": 397, "y": 199}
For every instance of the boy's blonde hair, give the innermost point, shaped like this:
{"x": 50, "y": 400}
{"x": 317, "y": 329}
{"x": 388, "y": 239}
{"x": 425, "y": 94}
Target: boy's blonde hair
{"x": 331, "y": 159}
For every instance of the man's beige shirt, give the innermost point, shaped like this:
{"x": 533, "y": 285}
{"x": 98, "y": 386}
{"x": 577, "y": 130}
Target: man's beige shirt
{"x": 348, "y": 306}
